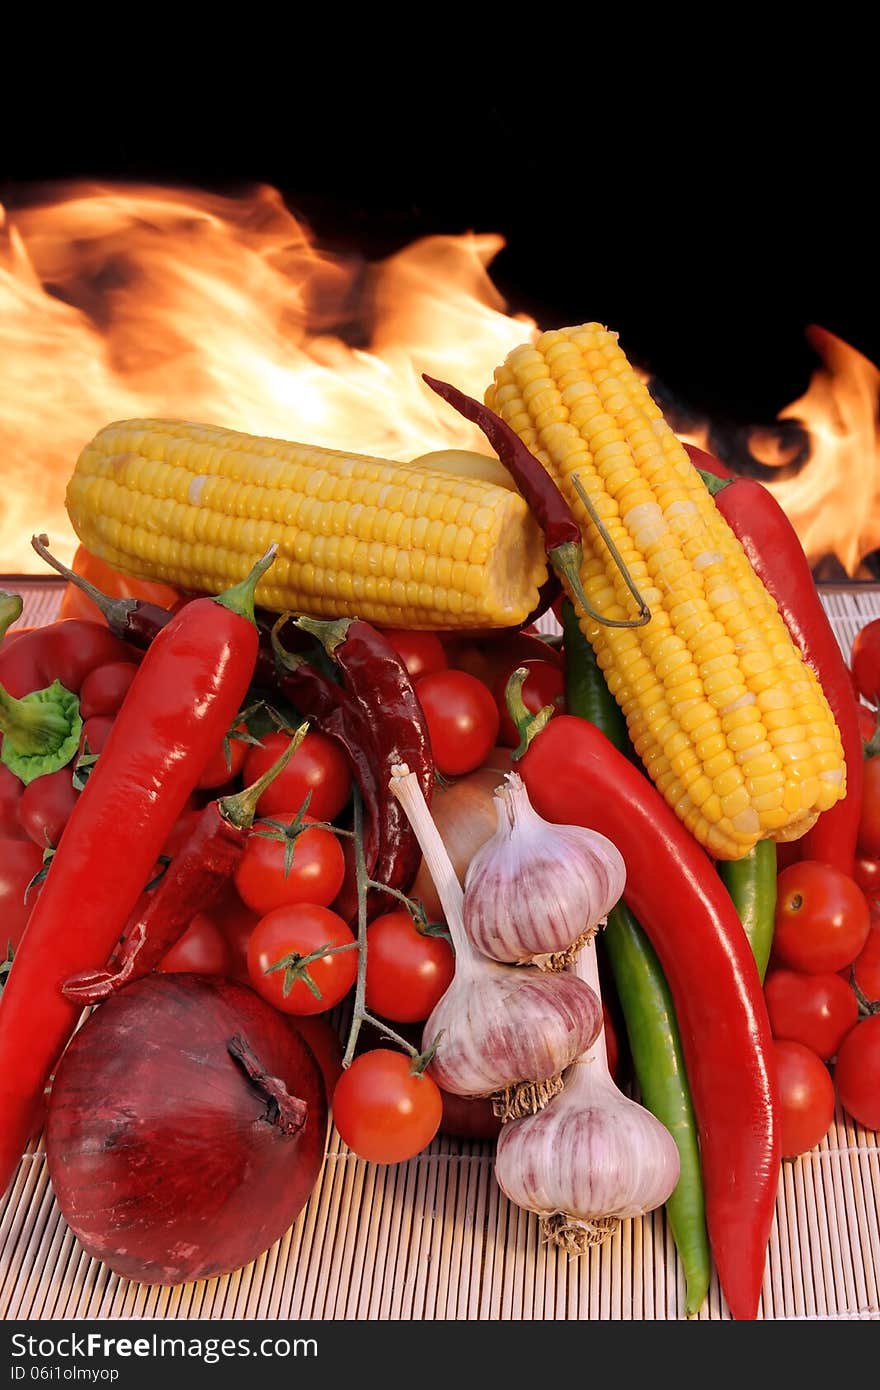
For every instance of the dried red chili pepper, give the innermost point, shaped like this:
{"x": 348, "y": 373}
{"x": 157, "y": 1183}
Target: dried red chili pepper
{"x": 777, "y": 557}
{"x": 562, "y": 533}
{"x": 395, "y": 724}
{"x": 574, "y": 775}
{"x": 188, "y": 689}
{"x": 198, "y": 872}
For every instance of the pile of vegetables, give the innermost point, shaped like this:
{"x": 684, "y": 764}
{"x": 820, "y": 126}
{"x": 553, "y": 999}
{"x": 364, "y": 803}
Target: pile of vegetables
{"x": 221, "y": 823}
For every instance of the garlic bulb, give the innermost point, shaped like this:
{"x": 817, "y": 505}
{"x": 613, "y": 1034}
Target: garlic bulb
{"x": 500, "y": 1031}
{"x": 536, "y": 891}
{"x": 592, "y": 1158}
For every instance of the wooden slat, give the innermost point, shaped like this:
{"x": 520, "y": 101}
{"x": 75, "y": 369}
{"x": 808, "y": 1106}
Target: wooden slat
{"x": 434, "y": 1239}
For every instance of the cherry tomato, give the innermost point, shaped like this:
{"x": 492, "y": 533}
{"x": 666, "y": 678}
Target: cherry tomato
{"x": 865, "y": 661}
{"x": 422, "y": 653}
{"x": 408, "y": 971}
{"x": 46, "y": 805}
{"x": 857, "y": 1073}
{"x": 323, "y": 1039}
{"x": 299, "y": 930}
{"x": 544, "y": 685}
{"x": 469, "y": 1117}
{"x": 105, "y": 688}
{"x": 867, "y": 875}
{"x": 236, "y": 921}
{"x": 95, "y": 732}
{"x": 866, "y": 966}
{"x": 383, "y": 1112}
{"x": 225, "y": 763}
{"x": 816, "y": 1010}
{"x": 266, "y": 879}
{"x": 318, "y": 766}
{"x": 867, "y": 722}
{"x": 806, "y": 1097}
{"x": 11, "y": 789}
{"x": 462, "y": 719}
{"x": 822, "y": 918}
{"x": 202, "y": 950}
{"x": 869, "y": 817}
{"x": 20, "y": 860}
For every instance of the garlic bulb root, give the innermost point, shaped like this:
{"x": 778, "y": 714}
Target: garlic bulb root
{"x": 577, "y": 1237}
{"x": 526, "y": 1098}
{"x": 560, "y": 960}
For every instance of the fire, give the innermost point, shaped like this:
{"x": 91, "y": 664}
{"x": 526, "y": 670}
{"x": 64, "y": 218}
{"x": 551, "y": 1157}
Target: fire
{"x": 137, "y": 301}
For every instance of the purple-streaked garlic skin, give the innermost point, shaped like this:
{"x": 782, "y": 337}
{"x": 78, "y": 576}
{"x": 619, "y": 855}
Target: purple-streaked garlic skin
{"x": 590, "y": 1153}
{"x": 534, "y": 889}
{"x": 500, "y": 1027}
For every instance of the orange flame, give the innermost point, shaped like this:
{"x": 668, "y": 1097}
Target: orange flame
{"x": 129, "y": 301}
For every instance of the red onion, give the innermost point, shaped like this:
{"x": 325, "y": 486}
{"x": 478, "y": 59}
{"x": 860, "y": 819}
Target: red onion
{"x": 186, "y": 1129}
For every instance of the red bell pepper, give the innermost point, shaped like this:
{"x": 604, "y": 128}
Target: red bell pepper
{"x": 777, "y": 557}
{"x": 574, "y": 775}
{"x": 187, "y": 693}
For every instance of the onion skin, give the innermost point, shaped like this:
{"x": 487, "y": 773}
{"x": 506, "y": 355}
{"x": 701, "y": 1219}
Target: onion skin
{"x": 464, "y": 813}
{"x": 168, "y": 1163}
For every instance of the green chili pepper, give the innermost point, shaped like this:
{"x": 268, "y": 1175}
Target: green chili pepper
{"x": 751, "y": 883}
{"x": 645, "y": 999}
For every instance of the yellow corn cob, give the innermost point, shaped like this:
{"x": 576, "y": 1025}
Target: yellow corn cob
{"x": 729, "y": 721}
{"x": 402, "y": 545}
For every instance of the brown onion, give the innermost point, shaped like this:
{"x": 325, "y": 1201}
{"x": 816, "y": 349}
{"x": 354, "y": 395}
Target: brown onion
{"x": 186, "y": 1129}
{"x": 464, "y": 813}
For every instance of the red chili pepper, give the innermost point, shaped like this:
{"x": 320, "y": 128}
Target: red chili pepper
{"x": 192, "y": 883}
{"x": 395, "y": 724}
{"x": 777, "y": 557}
{"x": 189, "y": 688}
{"x": 574, "y": 775}
{"x": 315, "y": 695}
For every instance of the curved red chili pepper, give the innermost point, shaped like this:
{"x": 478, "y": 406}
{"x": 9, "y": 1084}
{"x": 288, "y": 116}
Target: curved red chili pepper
{"x": 186, "y": 695}
{"x": 575, "y": 775}
{"x": 777, "y": 557}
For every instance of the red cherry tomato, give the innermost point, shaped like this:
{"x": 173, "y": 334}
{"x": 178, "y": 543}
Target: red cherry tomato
{"x": 323, "y": 1039}
{"x": 867, "y": 722}
{"x": 422, "y": 653}
{"x": 383, "y": 1112}
{"x": 816, "y": 1010}
{"x": 105, "y": 688}
{"x": 865, "y": 661}
{"x": 267, "y": 878}
{"x": 866, "y": 966}
{"x": 225, "y": 763}
{"x": 867, "y": 875}
{"x": 236, "y": 921}
{"x": 544, "y": 685}
{"x": 202, "y": 950}
{"x": 408, "y": 971}
{"x": 462, "y": 719}
{"x": 46, "y": 805}
{"x": 822, "y": 918}
{"x": 857, "y": 1073}
{"x": 11, "y": 789}
{"x": 806, "y": 1097}
{"x": 95, "y": 732}
{"x": 469, "y": 1117}
{"x": 20, "y": 860}
{"x": 869, "y": 818}
{"x": 318, "y": 766}
{"x": 299, "y": 930}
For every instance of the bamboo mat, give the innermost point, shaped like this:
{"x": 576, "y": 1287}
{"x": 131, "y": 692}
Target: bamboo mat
{"x": 434, "y": 1239}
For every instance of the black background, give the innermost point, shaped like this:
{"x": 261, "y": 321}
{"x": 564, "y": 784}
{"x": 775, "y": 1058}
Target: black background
{"x": 709, "y": 210}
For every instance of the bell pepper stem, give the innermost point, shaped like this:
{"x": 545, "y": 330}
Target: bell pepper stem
{"x": 40, "y": 731}
{"x": 10, "y": 611}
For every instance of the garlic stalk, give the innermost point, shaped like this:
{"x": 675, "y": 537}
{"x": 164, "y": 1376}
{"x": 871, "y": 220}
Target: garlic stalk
{"x": 500, "y": 1031}
{"x": 536, "y": 892}
{"x": 592, "y": 1158}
